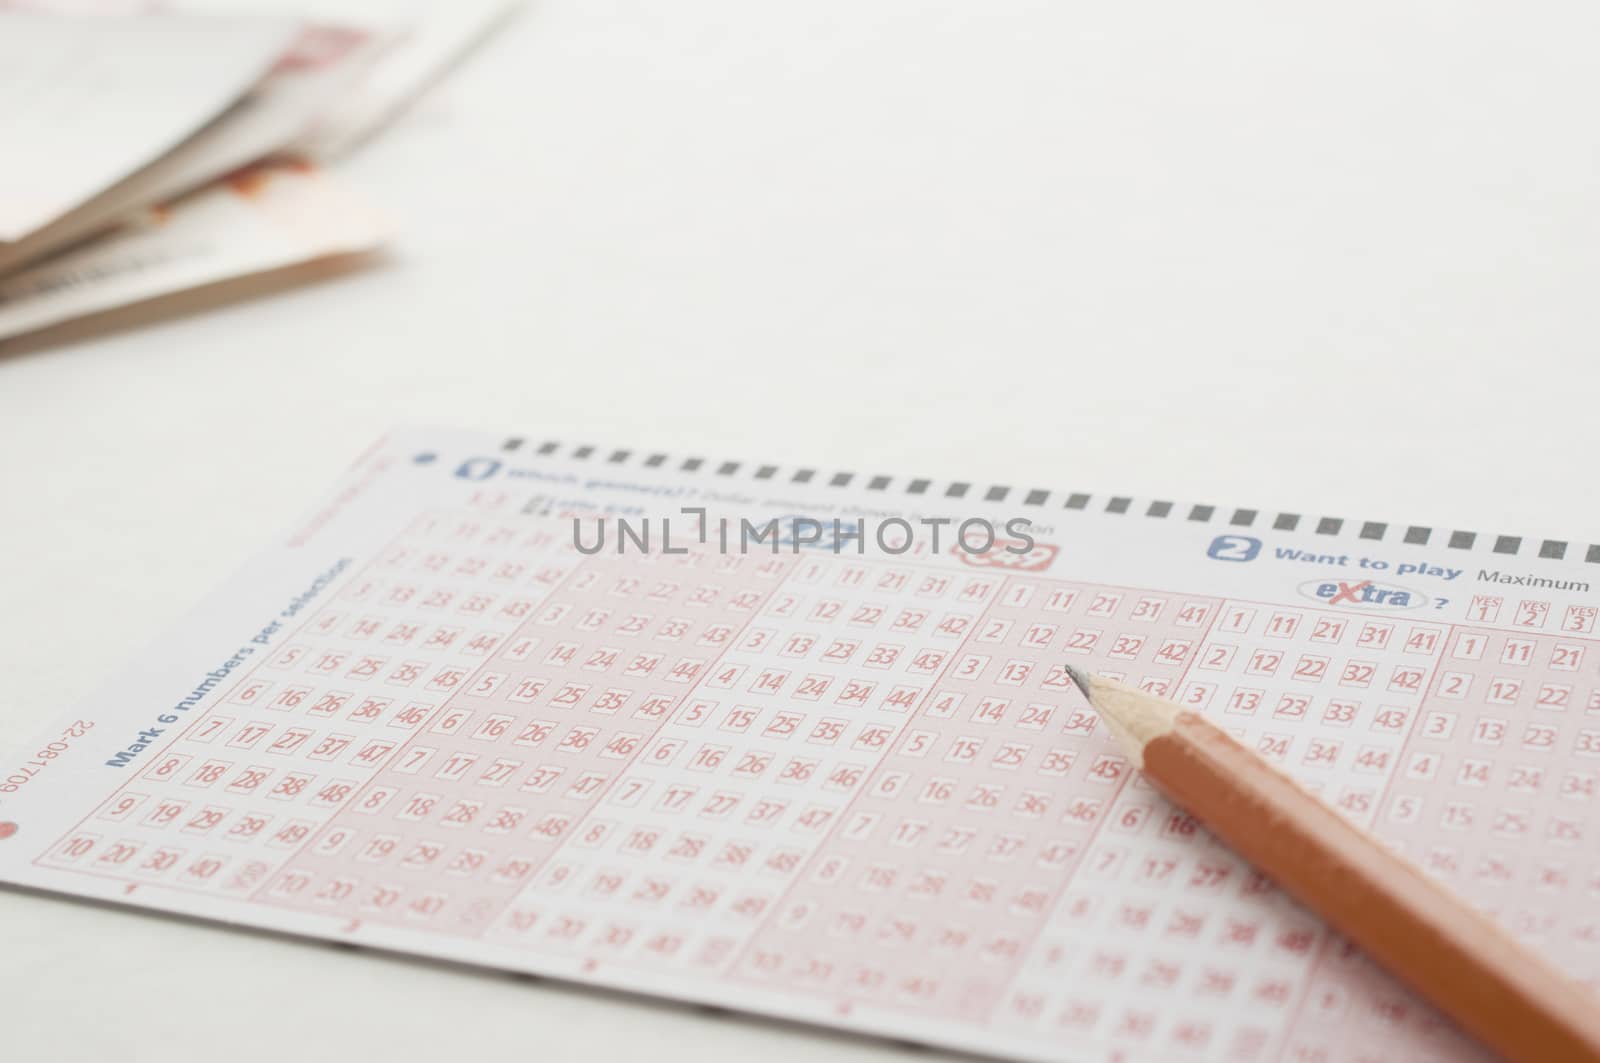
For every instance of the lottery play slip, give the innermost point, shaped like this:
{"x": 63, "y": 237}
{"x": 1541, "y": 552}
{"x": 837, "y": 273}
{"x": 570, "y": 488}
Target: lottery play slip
{"x": 801, "y": 742}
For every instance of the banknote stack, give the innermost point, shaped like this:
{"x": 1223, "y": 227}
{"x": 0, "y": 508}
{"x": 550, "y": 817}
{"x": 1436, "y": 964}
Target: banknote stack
{"x": 152, "y": 149}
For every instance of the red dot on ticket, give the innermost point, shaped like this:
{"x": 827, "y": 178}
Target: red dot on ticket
{"x": 7, "y": 829}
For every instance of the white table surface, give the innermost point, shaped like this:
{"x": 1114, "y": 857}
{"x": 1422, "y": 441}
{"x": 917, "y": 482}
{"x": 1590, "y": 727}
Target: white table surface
{"x": 1339, "y": 259}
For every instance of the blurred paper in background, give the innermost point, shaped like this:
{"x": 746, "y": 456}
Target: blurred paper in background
{"x": 85, "y": 102}
{"x": 415, "y": 43}
{"x": 306, "y": 79}
{"x": 265, "y": 218}
{"x": 320, "y": 64}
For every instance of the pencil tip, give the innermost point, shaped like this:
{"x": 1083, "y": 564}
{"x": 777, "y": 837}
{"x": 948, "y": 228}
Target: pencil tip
{"x": 1079, "y": 680}
{"x": 1134, "y": 717}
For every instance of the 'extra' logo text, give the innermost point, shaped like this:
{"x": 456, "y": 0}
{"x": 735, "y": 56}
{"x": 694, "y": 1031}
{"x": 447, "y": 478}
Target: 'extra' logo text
{"x": 1362, "y": 594}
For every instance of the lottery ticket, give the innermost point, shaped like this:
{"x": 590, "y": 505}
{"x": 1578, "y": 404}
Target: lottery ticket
{"x": 801, "y": 742}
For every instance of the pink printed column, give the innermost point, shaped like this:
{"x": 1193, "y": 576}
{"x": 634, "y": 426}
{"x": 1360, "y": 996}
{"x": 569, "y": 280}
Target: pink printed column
{"x": 689, "y": 853}
{"x": 512, "y": 764}
{"x": 1504, "y": 758}
{"x": 931, "y": 889}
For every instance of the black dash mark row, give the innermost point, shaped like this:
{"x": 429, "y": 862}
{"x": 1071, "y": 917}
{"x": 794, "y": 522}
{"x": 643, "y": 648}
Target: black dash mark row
{"x": 1116, "y": 505}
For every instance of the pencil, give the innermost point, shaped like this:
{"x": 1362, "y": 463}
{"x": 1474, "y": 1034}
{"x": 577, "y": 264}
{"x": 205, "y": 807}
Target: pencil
{"x": 1447, "y": 951}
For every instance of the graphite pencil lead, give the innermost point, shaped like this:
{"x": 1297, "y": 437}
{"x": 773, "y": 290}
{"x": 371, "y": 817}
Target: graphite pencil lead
{"x": 1079, "y": 680}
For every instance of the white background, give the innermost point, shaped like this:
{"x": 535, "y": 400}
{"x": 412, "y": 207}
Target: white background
{"x": 1339, "y": 259}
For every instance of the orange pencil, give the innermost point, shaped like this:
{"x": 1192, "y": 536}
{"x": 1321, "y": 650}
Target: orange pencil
{"x": 1447, "y": 951}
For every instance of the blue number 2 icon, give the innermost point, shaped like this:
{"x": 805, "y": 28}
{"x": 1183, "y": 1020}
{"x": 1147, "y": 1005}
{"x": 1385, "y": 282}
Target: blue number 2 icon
{"x": 1234, "y": 548}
